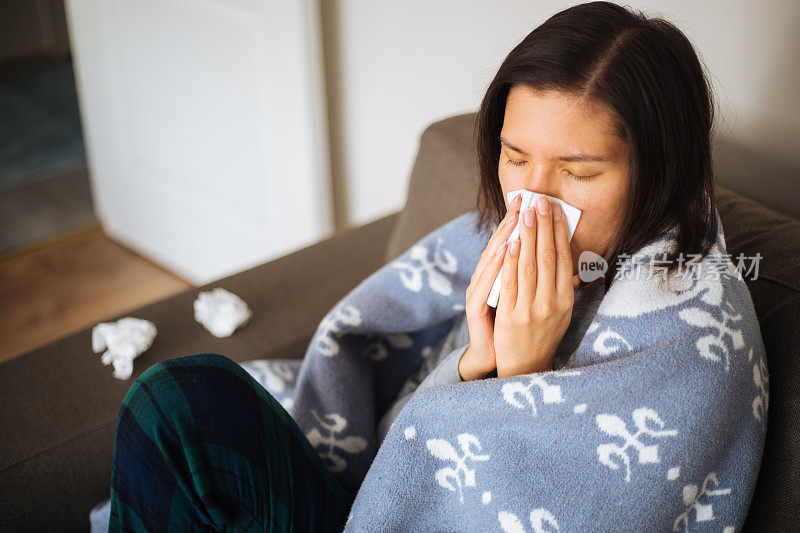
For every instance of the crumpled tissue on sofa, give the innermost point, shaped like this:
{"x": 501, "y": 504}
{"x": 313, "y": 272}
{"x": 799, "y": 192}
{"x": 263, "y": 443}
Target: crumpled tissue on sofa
{"x": 123, "y": 341}
{"x": 220, "y": 311}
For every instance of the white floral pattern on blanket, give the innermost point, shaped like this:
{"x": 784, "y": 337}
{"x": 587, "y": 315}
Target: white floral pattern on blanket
{"x": 620, "y": 440}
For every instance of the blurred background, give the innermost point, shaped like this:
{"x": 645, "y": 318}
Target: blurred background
{"x": 147, "y": 146}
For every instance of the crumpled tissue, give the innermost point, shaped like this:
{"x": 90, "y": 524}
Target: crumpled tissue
{"x": 123, "y": 341}
{"x": 220, "y": 311}
{"x": 571, "y": 213}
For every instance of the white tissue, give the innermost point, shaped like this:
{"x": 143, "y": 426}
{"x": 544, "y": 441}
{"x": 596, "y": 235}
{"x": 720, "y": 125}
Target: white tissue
{"x": 220, "y": 311}
{"x": 571, "y": 213}
{"x": 124, "y": 339}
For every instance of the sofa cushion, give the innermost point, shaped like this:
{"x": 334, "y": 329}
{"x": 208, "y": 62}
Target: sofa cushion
{"x": 444, "y": 184}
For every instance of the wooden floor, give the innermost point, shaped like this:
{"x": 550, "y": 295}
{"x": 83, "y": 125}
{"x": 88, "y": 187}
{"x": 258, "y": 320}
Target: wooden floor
{"x": 70, "y": 283}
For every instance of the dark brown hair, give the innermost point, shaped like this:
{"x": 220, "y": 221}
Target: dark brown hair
{"x": 646, "y": 72}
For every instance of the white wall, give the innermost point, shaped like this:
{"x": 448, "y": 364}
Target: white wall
{"x": 395, "y": 67}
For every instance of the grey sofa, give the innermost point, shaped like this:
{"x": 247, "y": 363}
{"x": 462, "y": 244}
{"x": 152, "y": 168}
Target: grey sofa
{"x": 59, "y": 403}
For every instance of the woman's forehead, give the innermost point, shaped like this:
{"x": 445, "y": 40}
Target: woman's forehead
{"x": 551, "y": 121}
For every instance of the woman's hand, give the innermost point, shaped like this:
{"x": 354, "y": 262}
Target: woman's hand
{"x": 536, "y": 293}
{"x": 479, "y": 359}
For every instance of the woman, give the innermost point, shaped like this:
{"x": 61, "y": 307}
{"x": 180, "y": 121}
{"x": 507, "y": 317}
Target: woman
{"x": 610, "y": 112}
{"x": 603, "y": 108}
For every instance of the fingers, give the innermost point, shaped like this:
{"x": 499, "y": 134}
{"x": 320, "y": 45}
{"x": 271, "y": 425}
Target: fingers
{"x": 564, "y": 279}
{"x": 527, "y": 269}
{"x": 507, "y": 224}
{"x": 482, "y": 286}
{"x": 508, "y": 282}
{"x": 545, "y": 249}
{"x": 500, "y": 236}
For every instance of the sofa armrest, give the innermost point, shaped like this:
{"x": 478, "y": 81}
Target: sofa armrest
{"x": 60, "y": 403}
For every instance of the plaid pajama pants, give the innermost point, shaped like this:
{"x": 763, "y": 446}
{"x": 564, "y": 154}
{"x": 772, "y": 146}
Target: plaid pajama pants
{"x": 201, "y": 446}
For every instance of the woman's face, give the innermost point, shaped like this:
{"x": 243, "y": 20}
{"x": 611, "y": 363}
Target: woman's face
{"x": 541, "y": 132}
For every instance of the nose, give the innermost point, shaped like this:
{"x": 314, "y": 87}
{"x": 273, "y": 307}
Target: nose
{"x": 541, "y": 180}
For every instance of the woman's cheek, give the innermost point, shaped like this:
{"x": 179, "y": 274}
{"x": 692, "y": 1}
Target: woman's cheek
{"x": 589, "y": 235}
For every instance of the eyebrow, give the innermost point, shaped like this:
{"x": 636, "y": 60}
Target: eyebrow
{"x": 579, "y": 157}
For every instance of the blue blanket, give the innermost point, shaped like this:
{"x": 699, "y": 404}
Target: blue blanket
{"x": 657, "y": 425}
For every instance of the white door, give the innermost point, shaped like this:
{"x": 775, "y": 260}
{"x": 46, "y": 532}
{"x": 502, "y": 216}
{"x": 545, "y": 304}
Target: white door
{"x": 205, "y": 128}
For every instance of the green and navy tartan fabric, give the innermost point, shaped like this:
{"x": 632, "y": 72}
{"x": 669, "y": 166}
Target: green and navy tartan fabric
{"x": 200, "y": 445}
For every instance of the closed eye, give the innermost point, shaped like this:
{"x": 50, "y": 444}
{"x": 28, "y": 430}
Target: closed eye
{"x": 515, "y": 163}
{"x": 577, "y": 176}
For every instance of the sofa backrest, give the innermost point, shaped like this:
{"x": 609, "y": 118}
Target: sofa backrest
{"x": 444, "y": 185}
